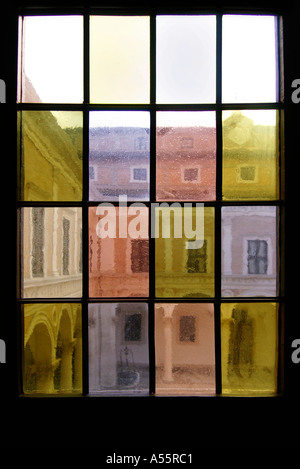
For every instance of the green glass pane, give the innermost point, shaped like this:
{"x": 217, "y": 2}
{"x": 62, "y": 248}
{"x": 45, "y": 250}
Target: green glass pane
{"x": 184, "y": 349}
{"x": 51, "y": 155}
{"x": 250, "y": 155}
{"x": 184, "y": 251}
{"x": 249, "y": 348}
{"x": 119, "y": 59}
{"x": 52, "y": 353}
{"x": 51, "y": 252}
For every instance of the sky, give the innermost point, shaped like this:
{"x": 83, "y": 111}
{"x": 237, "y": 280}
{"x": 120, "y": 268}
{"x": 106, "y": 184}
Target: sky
{"x": 53, "y": 58}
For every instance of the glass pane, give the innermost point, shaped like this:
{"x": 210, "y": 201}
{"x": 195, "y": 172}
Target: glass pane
{"x": 118, "y": 348}
{"x": 249, "y": 59}
{"x": 119, "y": 155}
{"x": 52, "y": 355}
{"x": 184, "y": 251}
{"x": 118, "y": 251}
{"x": 250, "y": 155}
{"x": 51, "y": 155}
{"x": 186, "y": 59}
{"x": 249, "y": 251}
{"x": 186, "y": 156}
{"x": 249, "y": 348}
{"x": 184, "y": 349}
{"x": 52, "y": 59}
{"x": 119, "y": 59}
{"x": 51, "y": 252}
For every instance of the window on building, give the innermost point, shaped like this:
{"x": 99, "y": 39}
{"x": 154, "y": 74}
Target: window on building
{"x": 133, "y": 327}
{"x": 187, "y": 331}
{"x": 117, "y": 115}
{"x": 197, "y": 259}
{"x": 257, "y": 256}
{"x": 191, "y": 174}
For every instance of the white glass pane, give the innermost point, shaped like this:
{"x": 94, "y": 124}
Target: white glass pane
{"x": 52, "y": 59}
{"x": 249, "y": 59}
{"x": 186, "y": 59}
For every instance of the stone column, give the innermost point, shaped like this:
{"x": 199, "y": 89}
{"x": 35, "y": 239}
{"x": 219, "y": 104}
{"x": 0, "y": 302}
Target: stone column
{"x": 168, "y": 338}
{"x": 108, "y": 355}
{"x": 66, "y": 367}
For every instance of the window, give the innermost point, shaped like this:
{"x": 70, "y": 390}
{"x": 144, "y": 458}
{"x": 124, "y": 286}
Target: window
{"x": 257, "y": 256}
{"x": 187, "y": 329}
{"x": 131, "y": 126}
{"x": 191, "y": 174}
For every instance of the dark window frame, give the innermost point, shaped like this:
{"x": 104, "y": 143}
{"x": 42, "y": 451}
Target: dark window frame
{"x": 218, "y": 204}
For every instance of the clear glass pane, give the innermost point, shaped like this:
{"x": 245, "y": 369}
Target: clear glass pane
{"x": 186, "y": 59}
{"x": 119, "y": 155}
{"x": 250, "y": 155}
{"x": 52, "y": 59}
{"x": 249, "y": 251}
{"x": 249, "y": 348}
{"x": 119, "y": 59}
{"x": 118, "y": 348}
{"x": 186, "y": 156}
{"x": 249, "y": 59}
{"x": 51, "y": 252}
{"x": 184, "y": 251}
{"x": 118, "y": 251}
{"x": 184, "y": 349}
{"x": 51, "y": 155}
{"x": 52, "y": 354}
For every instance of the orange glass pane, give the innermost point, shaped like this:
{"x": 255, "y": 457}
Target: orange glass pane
{"x": 184, "y": 349}
{"x": 118, "y": 251}
{"x": 185, "y": 156}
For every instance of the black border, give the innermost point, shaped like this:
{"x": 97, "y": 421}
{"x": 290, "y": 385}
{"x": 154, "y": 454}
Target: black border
{"x": 156, "y": 423}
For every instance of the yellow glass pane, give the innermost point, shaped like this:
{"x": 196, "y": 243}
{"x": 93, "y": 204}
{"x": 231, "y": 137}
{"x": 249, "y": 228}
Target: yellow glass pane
{"x": 52, "y": 355}
{"x": 184, "y": 349}
{"x": 51, "y": 155}
{"x": 250, "y": 155}
{"x": 249, "y": 348}
{"x": 119, "y": 59}
{"x": 184, "y": 251}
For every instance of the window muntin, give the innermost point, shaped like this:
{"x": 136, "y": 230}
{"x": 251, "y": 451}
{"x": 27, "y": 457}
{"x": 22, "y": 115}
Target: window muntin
{"x": 206, "y": 287}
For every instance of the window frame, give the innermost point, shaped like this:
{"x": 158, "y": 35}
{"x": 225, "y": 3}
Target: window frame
{"x": 217, "y": 204}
